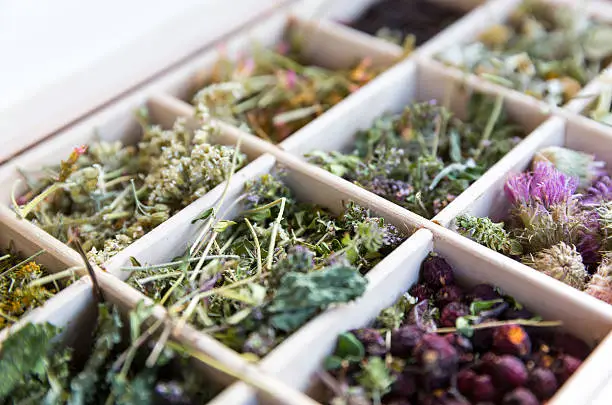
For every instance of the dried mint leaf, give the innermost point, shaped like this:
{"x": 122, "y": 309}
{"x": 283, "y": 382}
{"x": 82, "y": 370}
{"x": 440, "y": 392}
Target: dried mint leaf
{"x": 300, "y": 295}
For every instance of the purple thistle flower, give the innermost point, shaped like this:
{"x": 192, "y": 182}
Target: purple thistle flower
{"x": 600, "y": 190}
{"x": 544, "y": 185}
{"x": 518, "y": 189}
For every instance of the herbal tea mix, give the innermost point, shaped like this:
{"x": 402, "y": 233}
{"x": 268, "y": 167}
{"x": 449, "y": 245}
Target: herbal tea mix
{"x": 109, "y": 194}
{"x": 254, "y": 267}
{"x": 120, "y": 368}
{"x": 424, "y": 157}
{"x": 560, "y": 220}
{"x": 548, "y": 51}
{"x": 410, "y": 22}
{"x": 274, "y": 92}
{"x": 254, "y": 280}
{"x": 25, "y": 285}
{"x": 445, "y": 344}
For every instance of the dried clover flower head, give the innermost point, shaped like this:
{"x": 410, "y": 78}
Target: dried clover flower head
{"x": 572, "y": 163}
{"x": 604, "y": 219}
{"x": 545, "y": 185}
{"x": 600, "y": 285}
{"x": 562, "y": 262}
{"x": 600, "y": 190}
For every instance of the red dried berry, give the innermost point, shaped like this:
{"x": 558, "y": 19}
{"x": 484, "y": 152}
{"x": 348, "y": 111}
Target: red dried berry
{"x": 460, "y": 342}
{"x": 511, "y": 339}
{"x": 448, "y": 294}
{"x": 484, "y": 292}
{"x": 542, "y": 382}
{"x": 465, "y": 381}
{"x": 565, "y": 366}
{"x": 372, "y": 341}
{"x": 437, "y": 273}
{"x": 520, "y": 396}
{"x": 483, "y": 339}
{"x": 437, "y": 359}
{"x": 404, "y": 385}
{"x": 451, "y": 312}
{"x": 483, "y": 388}
{"x": 404, "y": 339}
{"x": 569, "y": 344}
{"x": 420, "y": 292}
{"x": 509, "y": 372}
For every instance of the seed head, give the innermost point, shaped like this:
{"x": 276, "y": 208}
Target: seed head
{"x": 562, "y": 262}
{"x": 600, "y": 285}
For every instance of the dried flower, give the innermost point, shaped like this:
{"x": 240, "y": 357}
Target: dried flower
{"x": 274, "y": 93}
{"x": 534, "y": 52}
{"x": 580, "y": 165}
{"x": 544, "y": 186}
{"x": 600, "y": 285}
{"x": 109, "y": 194}
{"x": 561, "y": 262}
{"x": 600, "y": 191}
{"x": 25, "y": 285}
{"x": 424, "y": 157}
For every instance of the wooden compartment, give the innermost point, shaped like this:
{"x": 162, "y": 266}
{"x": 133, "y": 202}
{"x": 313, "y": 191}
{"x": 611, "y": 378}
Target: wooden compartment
{"x": 473, "y": 264}
{"x": 116, "y": 124}
{"x": 308, "y": 187}
{"x": 54, "y": 258}
{"x": 497, "y": 11}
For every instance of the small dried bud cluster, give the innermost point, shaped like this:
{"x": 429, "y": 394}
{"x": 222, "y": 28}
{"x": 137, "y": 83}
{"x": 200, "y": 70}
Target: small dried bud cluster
{"x": 110, "y": 194}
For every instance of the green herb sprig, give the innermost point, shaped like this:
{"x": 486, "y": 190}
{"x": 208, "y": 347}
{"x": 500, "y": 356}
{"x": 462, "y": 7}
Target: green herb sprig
{"x": 36, "y": 368}
{"x": 254, "y": 280}
{"x": 424, "y": 157}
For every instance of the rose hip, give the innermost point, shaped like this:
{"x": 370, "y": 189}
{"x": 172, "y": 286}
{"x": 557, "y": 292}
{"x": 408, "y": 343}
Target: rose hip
{"x": 437, "y": 273}
{"x": 520, "y": 396}
{"x": 511, "y": 339}
{"x": 451, "y": 312}
{"x": 403, "y": 340}
{"x": 542, "y": 382}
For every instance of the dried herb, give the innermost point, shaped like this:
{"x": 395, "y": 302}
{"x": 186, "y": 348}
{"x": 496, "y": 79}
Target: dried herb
{"x": 274, "y": 92}
{"x": 424, "y": 157}
{"x": 399, "y": 20}
{"x": 36, "y": 368}
{"x": 560, "y": 220}
{"x": 546, "y": 50}
{"x": 601, "y": 111}
{"x": 484, "y": 347}
{"x": 109, "y": 194}
{"x": 25, "y": 285}
{"x": 254, "y": 280}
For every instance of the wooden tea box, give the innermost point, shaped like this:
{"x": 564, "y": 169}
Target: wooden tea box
{"x": 288, "y": 374}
